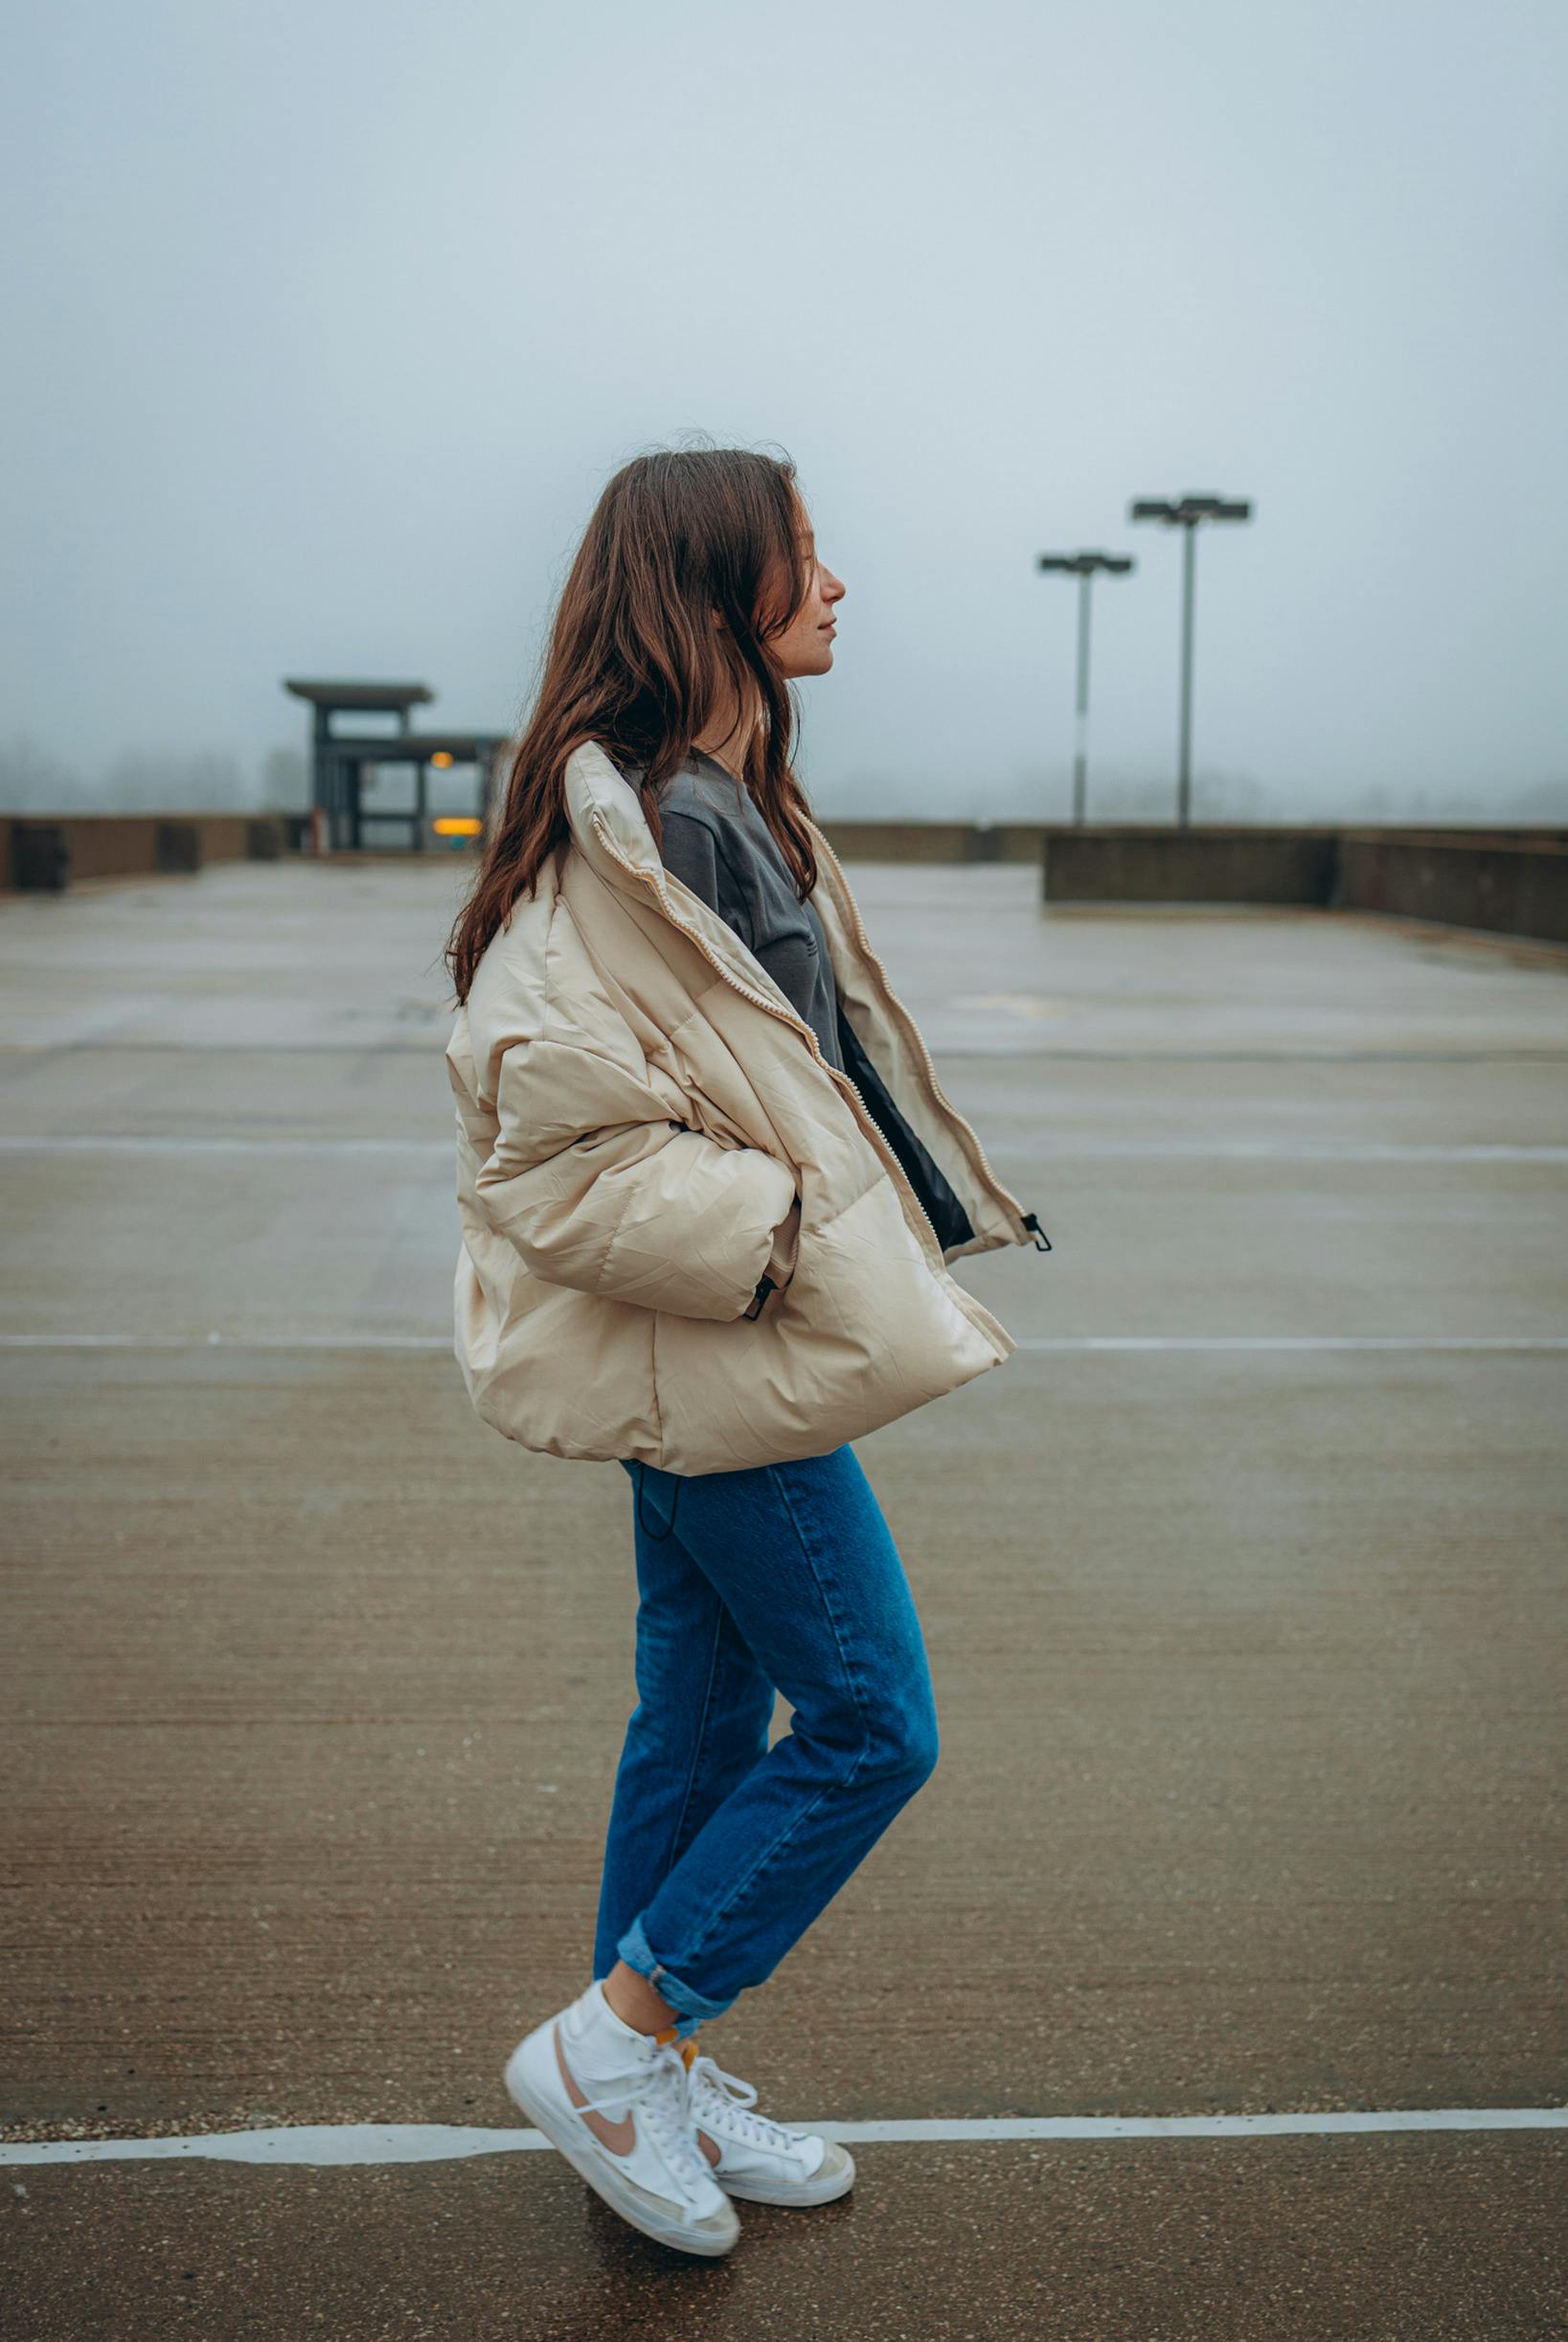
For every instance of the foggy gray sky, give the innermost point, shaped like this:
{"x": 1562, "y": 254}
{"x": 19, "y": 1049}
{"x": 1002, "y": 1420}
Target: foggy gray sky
{"x": 330, "y": 322}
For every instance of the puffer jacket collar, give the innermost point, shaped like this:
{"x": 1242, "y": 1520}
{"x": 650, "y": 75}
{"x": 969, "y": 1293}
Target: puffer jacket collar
{"x": 610, "y": 830}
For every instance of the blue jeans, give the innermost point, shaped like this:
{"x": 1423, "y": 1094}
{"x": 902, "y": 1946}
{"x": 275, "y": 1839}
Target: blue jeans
{"x": 722, "y": 1851}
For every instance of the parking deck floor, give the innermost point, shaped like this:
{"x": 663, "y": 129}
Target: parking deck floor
{"x": 1242, "y": 1581}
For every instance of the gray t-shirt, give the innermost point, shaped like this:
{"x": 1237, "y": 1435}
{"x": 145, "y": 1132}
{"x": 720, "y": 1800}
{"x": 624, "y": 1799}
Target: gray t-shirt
{"x": 716, "y": 842}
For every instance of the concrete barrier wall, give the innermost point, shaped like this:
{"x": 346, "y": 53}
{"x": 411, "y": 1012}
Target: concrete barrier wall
{"x": 1134, "y": 864}
{"x": 1504, "y": 881}
{"x": 1118, "y": 861}
{"x": 1513, "y": 882}
{"x": 44, "y": 855}
{"x": 1506, "y": 885}
{"x": 935, "y": 841}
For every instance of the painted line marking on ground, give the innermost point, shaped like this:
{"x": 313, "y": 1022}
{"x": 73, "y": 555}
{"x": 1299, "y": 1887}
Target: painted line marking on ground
{"x": 1153, "y": 1150}
{"x": 1283, "y": 1150}
{"x": 1294, "y": 1341}
{"x": 443, "y": 1342}
{"x": 196, "y": 1143}
{"x": 226, "y": 1341}
{"x": 1012, "y": 1048}
{"x": 361, "y": 2143}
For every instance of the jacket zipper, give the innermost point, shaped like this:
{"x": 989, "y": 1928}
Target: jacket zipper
{"x": 999, "y": 1194}
{"x": 786, "y": 1017}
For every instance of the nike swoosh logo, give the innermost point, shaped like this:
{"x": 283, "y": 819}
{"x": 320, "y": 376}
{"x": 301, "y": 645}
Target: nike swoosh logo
{"x": 621, "y": 2138}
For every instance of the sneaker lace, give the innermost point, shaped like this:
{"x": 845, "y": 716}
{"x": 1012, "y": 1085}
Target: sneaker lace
{"x": 737, "y": 2099}
{"x": 662, "y": 2091}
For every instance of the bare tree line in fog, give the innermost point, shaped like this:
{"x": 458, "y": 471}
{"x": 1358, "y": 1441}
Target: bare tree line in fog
{"x": 151, "y": 781}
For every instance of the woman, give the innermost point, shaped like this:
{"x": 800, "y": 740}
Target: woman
{"x": 709, "y": 1191}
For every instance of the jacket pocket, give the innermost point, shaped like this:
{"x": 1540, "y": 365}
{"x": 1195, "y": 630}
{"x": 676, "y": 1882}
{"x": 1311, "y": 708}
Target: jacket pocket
{"x": 787, "y": 1245}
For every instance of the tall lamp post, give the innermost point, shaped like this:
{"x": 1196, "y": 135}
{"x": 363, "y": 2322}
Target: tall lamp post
{"x": 1186, "y": 512}
{"x": 1082, "y": 566}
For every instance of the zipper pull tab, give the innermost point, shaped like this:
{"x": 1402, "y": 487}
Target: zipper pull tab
{"x": 1043, "y": 1242}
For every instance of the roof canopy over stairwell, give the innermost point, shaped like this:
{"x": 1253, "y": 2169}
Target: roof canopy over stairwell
{"x": 396, "y": 698}
{"x": 339, "y": 757}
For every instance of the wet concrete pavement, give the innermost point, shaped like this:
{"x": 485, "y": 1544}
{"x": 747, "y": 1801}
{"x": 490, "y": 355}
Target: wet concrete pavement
{"x": 1248, "y": 1659}
{"x": 1440, "y": 2238}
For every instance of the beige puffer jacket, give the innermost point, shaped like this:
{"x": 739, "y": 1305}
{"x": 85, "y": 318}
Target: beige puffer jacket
{"x": 648, "y": 1133}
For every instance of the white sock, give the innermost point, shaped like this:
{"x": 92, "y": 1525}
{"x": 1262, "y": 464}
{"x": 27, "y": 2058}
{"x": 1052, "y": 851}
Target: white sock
{"x": 601, "y": 2043}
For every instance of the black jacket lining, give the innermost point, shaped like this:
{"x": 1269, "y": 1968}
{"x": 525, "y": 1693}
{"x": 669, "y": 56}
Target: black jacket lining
{"x": 941, "y": 1206}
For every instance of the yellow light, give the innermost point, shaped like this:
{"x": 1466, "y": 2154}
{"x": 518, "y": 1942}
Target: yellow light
{"x": 457, "y": 825}
{"x": 442, "y": 758}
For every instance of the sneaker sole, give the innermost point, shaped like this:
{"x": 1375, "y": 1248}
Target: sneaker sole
{"x": 819, "y": 2191}
{"x": 605, "y": 2181}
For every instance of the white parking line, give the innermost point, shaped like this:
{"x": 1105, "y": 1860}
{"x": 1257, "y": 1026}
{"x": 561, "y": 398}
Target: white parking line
{"x": 1293, "y": 1341}
{"x": 1030, "y": 1341}
{"x": 1065, "y": 1151}
{"x": 197, "y": 1143}
{"x": 1283, "y": 1150}
{"x": 359, "y": 2142}
{"x": 226, "y": 1341}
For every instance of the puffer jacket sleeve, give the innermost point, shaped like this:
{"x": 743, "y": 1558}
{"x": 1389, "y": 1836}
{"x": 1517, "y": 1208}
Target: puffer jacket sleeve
{"x": 598, "y": 1187}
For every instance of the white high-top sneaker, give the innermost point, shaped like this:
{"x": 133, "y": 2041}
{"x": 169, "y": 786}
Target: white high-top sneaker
{"x": 760, "y": 2161}
{"x": 615, "y": 2102}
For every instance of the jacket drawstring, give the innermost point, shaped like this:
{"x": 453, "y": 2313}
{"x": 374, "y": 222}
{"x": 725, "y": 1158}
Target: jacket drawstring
{"x": 668, "y": 1530}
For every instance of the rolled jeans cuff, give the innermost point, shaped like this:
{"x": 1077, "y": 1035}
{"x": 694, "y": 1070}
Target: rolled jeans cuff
{"x": 695, "y": 2008}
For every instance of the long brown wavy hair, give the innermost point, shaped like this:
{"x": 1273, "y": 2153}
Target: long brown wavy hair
{"x": 636, "y": 663}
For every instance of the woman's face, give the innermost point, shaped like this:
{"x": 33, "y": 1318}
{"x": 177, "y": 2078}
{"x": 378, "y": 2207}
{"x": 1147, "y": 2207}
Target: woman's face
{"x": 806, "y": 647}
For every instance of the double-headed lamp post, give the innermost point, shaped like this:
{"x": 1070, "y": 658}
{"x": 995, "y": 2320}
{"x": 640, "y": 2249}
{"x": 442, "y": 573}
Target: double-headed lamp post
{"x": 1186, "y": 512}
{"x": 1082, "y": 566}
